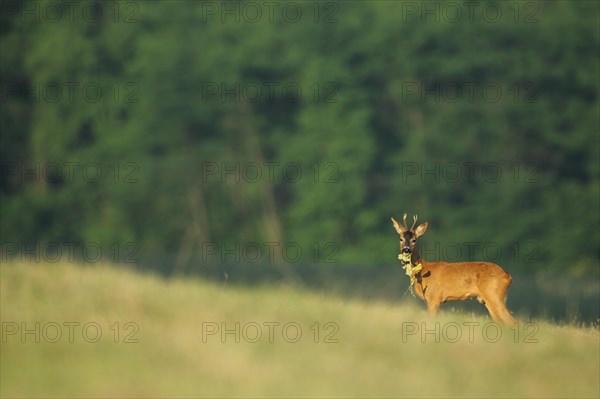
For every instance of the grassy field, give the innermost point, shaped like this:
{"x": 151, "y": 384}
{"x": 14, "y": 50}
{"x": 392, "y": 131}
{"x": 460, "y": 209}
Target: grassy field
{"x": 99, "y": 331}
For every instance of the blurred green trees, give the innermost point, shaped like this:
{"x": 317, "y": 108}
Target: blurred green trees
{"x": 208, "y": 123}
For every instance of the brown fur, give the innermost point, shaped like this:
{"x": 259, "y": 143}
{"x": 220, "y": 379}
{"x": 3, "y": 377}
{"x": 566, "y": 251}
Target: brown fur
{"x": 440, "y": 282}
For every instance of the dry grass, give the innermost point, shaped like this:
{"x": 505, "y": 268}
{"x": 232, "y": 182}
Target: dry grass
{"x": 374, "y": 356}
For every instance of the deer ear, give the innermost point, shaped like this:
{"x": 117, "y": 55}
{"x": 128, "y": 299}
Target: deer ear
{"x": 419, "y": 231}
{"x": 399, "y": 228}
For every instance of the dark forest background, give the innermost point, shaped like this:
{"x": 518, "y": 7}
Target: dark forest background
{"x": 184, "y": 135}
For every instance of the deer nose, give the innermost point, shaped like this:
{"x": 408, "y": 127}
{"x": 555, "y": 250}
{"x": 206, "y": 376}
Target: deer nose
{"x": 406, "y": 250}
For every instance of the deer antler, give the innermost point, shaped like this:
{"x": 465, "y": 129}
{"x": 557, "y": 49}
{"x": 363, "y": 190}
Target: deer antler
{"x": 404, "y": 218}
{"x": 414, "y": 222}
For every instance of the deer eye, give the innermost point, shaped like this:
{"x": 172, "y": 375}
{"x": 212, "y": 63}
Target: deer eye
{"x": 402, "y": 239}
{"x": 413, "y": 240}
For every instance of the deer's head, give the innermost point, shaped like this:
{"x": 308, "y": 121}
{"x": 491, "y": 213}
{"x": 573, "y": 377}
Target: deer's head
{"x": 408, "y": 237}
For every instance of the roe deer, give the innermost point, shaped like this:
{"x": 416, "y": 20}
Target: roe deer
{"x": 439, "y": 282}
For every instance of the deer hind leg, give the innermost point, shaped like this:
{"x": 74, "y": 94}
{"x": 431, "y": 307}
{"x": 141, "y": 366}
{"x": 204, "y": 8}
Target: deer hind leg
{"x": 505, "y": 315}
{"x": 495, "y": 301}
{"x": 498, "y": 311}
{"x": 502, "y": 310}
{"x": 491, "y": 307}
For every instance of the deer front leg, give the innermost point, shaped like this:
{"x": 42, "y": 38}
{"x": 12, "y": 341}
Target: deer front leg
{"x": 433, "y": 307}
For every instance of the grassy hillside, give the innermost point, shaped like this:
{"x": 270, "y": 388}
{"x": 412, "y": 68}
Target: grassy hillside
{"x": 163, "y": 339}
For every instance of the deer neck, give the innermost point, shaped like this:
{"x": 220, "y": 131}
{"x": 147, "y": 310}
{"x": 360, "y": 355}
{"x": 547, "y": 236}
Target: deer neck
{"x": 415, "y": 258}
